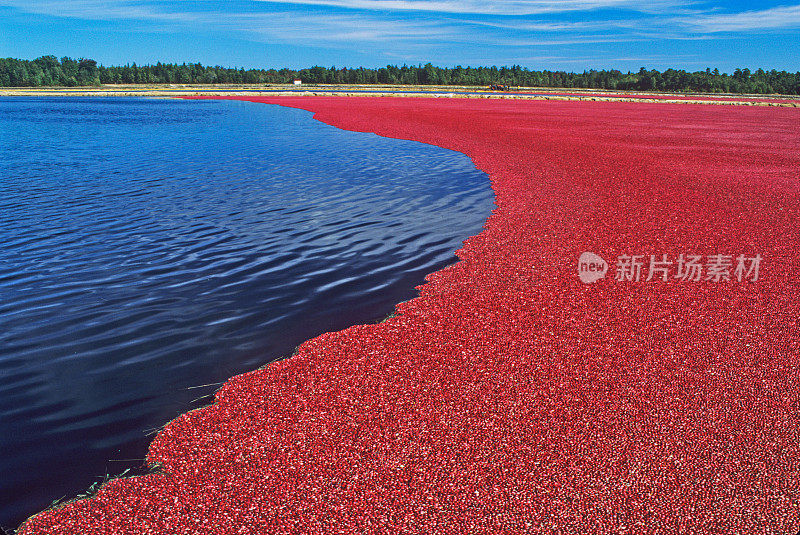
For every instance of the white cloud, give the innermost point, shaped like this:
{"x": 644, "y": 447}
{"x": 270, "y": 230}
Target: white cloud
{"x": 489, "y": 7}
{"x": 572, "y": 41}
{"x": 389, "y": 25}
{"x": 273, "y": 26}
{"x": 97, "y": 10}
{"x": 336, "y": 28}
{"x": 769, "y": 19}
{"x": 563, "y": 26}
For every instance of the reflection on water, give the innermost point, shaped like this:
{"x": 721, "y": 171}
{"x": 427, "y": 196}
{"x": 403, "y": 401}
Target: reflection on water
{"x": 147, "y": 246}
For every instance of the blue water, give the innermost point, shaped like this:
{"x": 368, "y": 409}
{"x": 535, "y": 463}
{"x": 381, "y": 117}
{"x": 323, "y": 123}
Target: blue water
{"x": 148, "y": 246}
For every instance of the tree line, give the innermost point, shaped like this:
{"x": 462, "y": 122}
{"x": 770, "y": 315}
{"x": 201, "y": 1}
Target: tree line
{"x": 68, "y": 72}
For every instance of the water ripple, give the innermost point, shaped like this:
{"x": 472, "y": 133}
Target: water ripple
{"x": 150, "y": 245}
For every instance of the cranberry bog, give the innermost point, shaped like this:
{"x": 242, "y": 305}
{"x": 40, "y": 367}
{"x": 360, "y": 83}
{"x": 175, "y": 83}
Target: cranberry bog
{"x": 511, "y": 396}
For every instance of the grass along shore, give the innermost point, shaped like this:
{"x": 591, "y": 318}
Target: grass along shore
{"x": 528, "y": 93}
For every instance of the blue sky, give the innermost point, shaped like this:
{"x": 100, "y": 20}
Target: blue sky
{"x": 540, "y": 34}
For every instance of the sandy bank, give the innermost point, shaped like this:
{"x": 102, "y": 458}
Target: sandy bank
{"x": 407, "y": 91}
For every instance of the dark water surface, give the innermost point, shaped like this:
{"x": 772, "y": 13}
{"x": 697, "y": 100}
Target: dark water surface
{"x": 147, "y": 246}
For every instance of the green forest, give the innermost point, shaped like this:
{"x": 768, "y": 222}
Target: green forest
{"x": 68, "y": 72}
